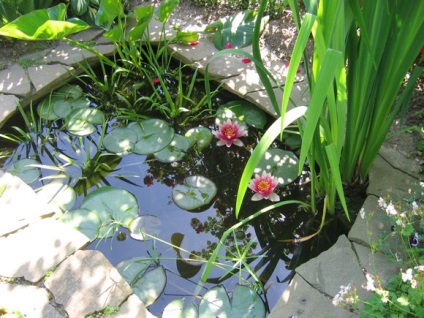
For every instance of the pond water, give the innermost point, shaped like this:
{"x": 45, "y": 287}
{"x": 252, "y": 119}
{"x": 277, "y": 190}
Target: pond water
{"x": 151, "y": 182}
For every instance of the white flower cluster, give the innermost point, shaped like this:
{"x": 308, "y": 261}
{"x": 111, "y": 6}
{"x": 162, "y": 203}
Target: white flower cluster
{"x": 347, "y": 296}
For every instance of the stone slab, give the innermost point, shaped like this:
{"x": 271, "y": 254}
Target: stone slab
{"x": 376, "y": 263}
{"x": 385, "y": 180}
{"x": 34, "y": 250}
{"x": 29, "y": 301}
{"x": 133, "y": 308}
{"x": 334, "y": 268}
{"x": 14, "y": 80}
{"x": 87, "y": 282}
{"x": 71, "y": 55}
{"x": 301, "y": 300}
{"x": 16, "y": 213}
{"x": 87, "y": 35}
{"x": 400, "y": 162}
{"x": 8, "y": 105}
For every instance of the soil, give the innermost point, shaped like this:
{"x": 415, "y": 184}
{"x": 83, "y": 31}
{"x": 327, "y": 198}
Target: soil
{"x": 279, "y": 37}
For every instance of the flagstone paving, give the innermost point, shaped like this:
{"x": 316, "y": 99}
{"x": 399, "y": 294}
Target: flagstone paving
{"x": 46, "y": 271}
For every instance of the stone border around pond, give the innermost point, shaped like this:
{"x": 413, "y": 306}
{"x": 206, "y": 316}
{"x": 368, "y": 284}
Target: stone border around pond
{"x": 33, "y": 242}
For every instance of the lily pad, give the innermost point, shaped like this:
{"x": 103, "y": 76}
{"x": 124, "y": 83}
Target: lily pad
{"x": 145, "y": 224}
{"x": 26, "y": 170}
{"x": 114, "y": 206}
{"x": 200, "y": 136}
{"x": 58, "y": 194}
{"x": 196, "y": 191}
{"x": 132, "y": 269}
{"x": 175, "y": 151}
{"x": 282, "y": 164}
{"x": 121, "y": 141}
{"x": 236, "y": 29}
{"x": 155, "y": 135}
{"x": 242, "y": 111}
{"x": 82, "y": 122}
{"x": 85, "y": 221}
{"x": 69, "y": 92}
{"x": 245, "y": 303}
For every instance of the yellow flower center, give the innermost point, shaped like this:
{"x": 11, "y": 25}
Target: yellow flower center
{"x": 229, "y": 132}
{"x": 263, "y": 185}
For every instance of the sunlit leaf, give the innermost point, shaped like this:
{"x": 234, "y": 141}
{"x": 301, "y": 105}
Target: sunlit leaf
{"x": 121, "y": 141}
{"x": 145, "y": 224}
{"x": 200, "y": 136}
{"x": 196, "y": 191}
{"x": 175, "y": 151}
{"x": 26, "y": 170}
{"x": 242, "y": 111}
{"x": 83, "y": 122}
{"x": 58, "y": 194}
{"x": 153, "y": 135}
{"x": 85, "y": 221}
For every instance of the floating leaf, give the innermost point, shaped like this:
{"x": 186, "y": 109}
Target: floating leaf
{"x": 196, "y": 191}
{"x": 121, "y": 141}
{"x": 132, "y": 269}
{"x": 58, "y": 194}
{"x": 200, "y": 136}
{"x": 154, "y": 135}
{"x": 245, "y": 303}
{"x": 145, "y": 224}
{"x": 82, "y": 122}
{"x": 175, "y": 151}
{"x": 281, "y": 164}
{"x": 85, "y": 221}
{"x": 69, "y": 92}
{"x": 26, "y": 170}
{"x": 174, "y": 309}
{"x": 114, "y": 206}
{"x": 236, "y": 30}
{"x": 242, "y": 111}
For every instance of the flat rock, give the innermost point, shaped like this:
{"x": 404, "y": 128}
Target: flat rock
{"x": 8, "y": 105}
{"x": 334, "y": 268}
{"x": 30, "y": 301}
{"x": 16, "y": 213}
{"x": 302, "y": 300}
{"x": 34, "y": 250}
{"x": 87, "y": 282}
{"x": 400, "y": 162}
{"x": 133, "y": 308}
{"x": 71, "y": 55}
{"x": 14, "y": 80}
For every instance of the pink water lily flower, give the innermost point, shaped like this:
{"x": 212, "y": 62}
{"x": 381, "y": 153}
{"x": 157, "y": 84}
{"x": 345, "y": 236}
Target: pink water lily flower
{"x": 264, "y": 186}
{"x": 229, "y": 46}
{"x": 229, "y": 133}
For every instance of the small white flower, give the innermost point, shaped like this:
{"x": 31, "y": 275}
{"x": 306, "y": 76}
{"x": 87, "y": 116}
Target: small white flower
{"x": 369, "y": 285}
{"x": 362, "y": 213}
{"x": 382, "y": 203}
{"x": 419, "y": 268}
{"x": 408, "y": 275}
{"x": 414, "y": 206}
{"x": 391, "y": 209}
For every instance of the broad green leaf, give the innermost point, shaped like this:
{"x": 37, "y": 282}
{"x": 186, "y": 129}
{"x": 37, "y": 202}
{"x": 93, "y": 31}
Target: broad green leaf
{"x": 243, "y": 111}
{"x": 215, "y": 303}
{"x": 236, "y": 30}
{"x": 150, "y": 286}
{"x": 114, "y": 206}
{"x": 191, "y": 311}
{"x": 121, "y": 141}
{"x": 132, "y": 269}
{"x": 186, "y": 37}
{"x": 85, "y": 221}
{"x": 79, "y": 7}
{"x": 143, "y": 15}
{"x": 69, "y": 91}
{"x": 153, "y": 135}
{"x": 58, "y": 194}
{"x": 108, "y": 11}
{"x": 26, "y": 169}
{"x": 246, "y": 303}
{"x": 83, "y": 122}
{"x": 200, "y": 136}
{"x": 145, "y": 224}
{"x": 175, "y": 151}
{"x": 282, "y": 164}
{"x": 174, "y": 309}
{"x": 165, "y": 9}
{"x": 196, "y": 191}
{"x": 44, "y": 24}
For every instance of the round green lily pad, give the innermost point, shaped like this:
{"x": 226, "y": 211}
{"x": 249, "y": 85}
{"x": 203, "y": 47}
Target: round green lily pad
{"x": 58, "y": 194}
{"x": 114, "y": 206}
{"x": 155, "y": 135}
{"x": 284, "y": 165}
{"x": 145, "y": 224}
{"x": 121, "y": 141}
{"x": 64, "y": 107}
{"x": 82, "y": 122}
{"x": 85, "y": 221}
{"x": 69, "y": 92}
{"x": 175, "y": 151}
{"x": 200, "y": 136}
{"x": 26, "y": 170}
{"x": 196, "y": 191}
{"x": 243, "y": 112}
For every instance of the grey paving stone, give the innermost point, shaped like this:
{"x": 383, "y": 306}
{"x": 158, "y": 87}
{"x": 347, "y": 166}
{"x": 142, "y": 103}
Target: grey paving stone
{"x": 30, "y": 301}
{"x": 376, "y": 263}
{"x": 190, "y": 54}
{"x": 71, "y": 55}
{"x": 133, "y": 308}
{"x": 400, "y": 162}
{"x": 8, "y": 105}
{"x": 333, "y": 268}
{"x": 302, "y": 300}
{"x": 15, "y": 212}
{"x": 14, "y": 80}
{"x": 34, "y": 250}
{"x": 86, "y": 282}
{"x": 384, "y": 180}
{"x": 87, "y": 35}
